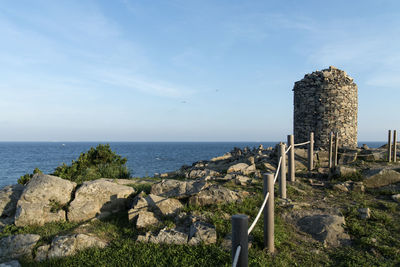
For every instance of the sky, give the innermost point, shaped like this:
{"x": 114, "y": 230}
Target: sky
{"x": 183, "y": 70}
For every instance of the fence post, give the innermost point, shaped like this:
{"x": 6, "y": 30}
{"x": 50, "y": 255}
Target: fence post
{"x": 389, "y": 146}
{"x": 291, "y": 167}
{"x": 269, "y": 223}
{"x": 394, "y": 145}
{"x": 311, "y": 152}
{"x": 335, "y": 154}
{"x": 330, "y": 149}
{"x": 240, "y": 237}
{"x": 282, "y": 180}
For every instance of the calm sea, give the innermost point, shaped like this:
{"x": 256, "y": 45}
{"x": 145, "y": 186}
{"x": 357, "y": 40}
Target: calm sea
{"x": 144, "y": 158}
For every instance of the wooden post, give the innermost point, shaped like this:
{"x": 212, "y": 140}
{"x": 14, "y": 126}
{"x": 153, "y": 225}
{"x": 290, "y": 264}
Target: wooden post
{"x": 389, "y": 146}
{"x": 311, "y": 152}
{"x": 269, "y": 223}
{"x": 282, "y": 180}
{"x": 394, "y": 145}
{"x": 335, "y": 154}
{"x": 291, "y": 167}
{"x": 330, "y": 149}
{"x": 240, "y": 237}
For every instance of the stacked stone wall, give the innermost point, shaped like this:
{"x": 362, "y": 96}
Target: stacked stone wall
{"x": 326, "y": 101}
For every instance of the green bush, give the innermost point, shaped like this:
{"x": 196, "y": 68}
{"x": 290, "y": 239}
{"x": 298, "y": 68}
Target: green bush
{"x": 99, "y": 162}
{"x": 24, "y": 179}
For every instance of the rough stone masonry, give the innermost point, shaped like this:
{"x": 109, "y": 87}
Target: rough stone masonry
{"x": 326, "y": 101}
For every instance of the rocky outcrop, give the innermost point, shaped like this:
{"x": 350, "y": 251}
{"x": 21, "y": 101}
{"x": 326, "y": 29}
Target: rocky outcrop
{"x": 381, "y": 177}
{"x": 9, "y": 197}
{"x": 242, "y": 168}
{"x": 328, "y": 229}
{"x": 15, "y": 246}
{"x": 42, "y": 200}
{"x": 98, "y": 198}
{"x": 200, "y": 173}
{"x": 213, "y": 195}
{"x": 178, "y": 189}
{"x": 68, "y": 245}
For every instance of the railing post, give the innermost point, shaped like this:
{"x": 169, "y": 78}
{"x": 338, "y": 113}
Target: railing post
{"x": 291, "y": 167}
{"x": 282, "y": 180}
{"x": 335, "y": 154}
{"x": 311, "y": 152}
{"x": 389, "y": 157}
{"x": 240, "y": 237}
{"x": 394, "y": 145}
{"x": 269, "y": 223}
{"x": 330, "y": 149}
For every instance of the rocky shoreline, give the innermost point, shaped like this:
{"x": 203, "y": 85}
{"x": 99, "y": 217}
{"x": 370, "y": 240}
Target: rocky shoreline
{"x": 161, "y": 214}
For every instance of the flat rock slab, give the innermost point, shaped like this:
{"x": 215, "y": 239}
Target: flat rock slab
{"x": 98, "y": 198}
{"x": 327, "y": 229}
{"x": 178, "y": 189}
{"x": 15, "y": 246}
{"x": 13, "y": 263}
{"x": 213, "y": 195}
{"x": 68, "y": 245}
{"x": 381, "y": 177}
{"x": 41, "y": 200}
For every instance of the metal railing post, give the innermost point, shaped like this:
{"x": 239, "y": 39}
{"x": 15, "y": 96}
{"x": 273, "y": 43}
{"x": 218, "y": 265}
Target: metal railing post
{"x": 282, "y": 180}
{"x": 389, "y": 146}
{"x": 394, "y": 145}
{"x": 240, "y": 238}
{"x": 330, "y": 149}
{"x": 269, "y": 223}
{"x": 335, "y": 153}
{"x": 291, "y": 167}
{"x": 311, "y": 152}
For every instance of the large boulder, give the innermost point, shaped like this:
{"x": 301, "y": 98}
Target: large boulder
{"x": 15, "y": 246}
{"x": 68, "y": 245}
{"x": 381, "y": 177}
{"x": 178, "y": 189}
{"x": 342, "y": 171}
{"x": 9, "y": 197}
{"x": 239, "y": 167}
{"x": 42, "y": 200}
{"x": 98, "y": 198}
{"x": 213, "y": 195}
{"x": 328, "y": 229}
{"x": 200, "y": 173}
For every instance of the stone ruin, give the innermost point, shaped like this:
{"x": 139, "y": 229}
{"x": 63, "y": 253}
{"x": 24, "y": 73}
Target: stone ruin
{"x": 326, "y": 101}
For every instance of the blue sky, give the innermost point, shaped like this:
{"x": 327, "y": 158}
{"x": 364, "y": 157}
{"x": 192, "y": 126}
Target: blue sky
{"x": 184, "y": 70}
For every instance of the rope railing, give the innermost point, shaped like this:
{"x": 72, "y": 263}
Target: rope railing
{"x": 268, "y": 195}
{"x": 236, "y": 258}
{"x": 302, "y": 144}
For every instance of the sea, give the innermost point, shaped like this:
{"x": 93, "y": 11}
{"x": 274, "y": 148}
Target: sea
{"x": 144, "y": 158}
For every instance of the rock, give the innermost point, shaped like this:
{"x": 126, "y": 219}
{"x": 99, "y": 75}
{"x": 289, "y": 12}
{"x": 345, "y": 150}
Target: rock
{"x": 226, "y": 243}
{"x": 145, "y": 219}
{"x": 396, "y": 197}
{"x": 239, "y": 167}
{"x": 41, "y": 253}
{"x": 251, "y": 160}
{"x": 98, "y": 197}
{"x": 9, "y": 196}
{"x": 13, "y": 263}
{"x": 160, "y": 205}
{"x": 371, "y": 155}
{"x": 328, "y": 229}
{"x": 266, "y": 166}
{"x": 358, "y": 187}
{"x": 224, "y": 157}
{"x": 200, "y": 173}
{"x": 342, "y": 171}
{"x": 42, "y": 200}
{"x": 365, "y": 147}
{"x": 381, "y": 177}
{"x": 213, "y": 195}
{"x": 201, "y": 232}
{"x": 68, "y": 245}
{"x": 178, "y": 189}
{"x": 165, "y": 236}
{"x": 365, "y": 213}
{"x": 242, "y": 180}
{"x": 249, "y": 170}
{"x": 347, "y": 156}
{"x": 340, "y": 187}
{"x": 300, "y": 165}
{"x": 15, "y": 246}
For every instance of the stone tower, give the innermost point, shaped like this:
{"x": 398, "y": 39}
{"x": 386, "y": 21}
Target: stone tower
{"x": 326, "y": 101}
